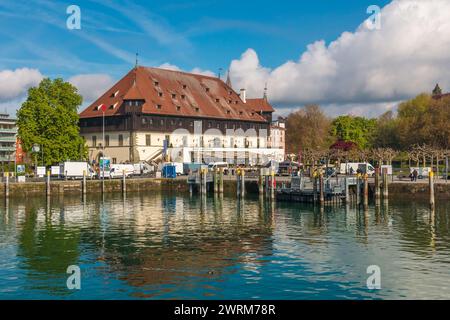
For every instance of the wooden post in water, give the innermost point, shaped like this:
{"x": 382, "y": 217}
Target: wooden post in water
{"x": 358, "y": 189}
{"x": 242, "y": 183}
{"x": 221, "y": 180}
{"x": 124, "y": 183}
{"x": 385, "y": 184}
{"x": 238, "y": 183}
{"x": 215, "y": 181}
{"x": 431, "y": 184}
{"x": 347, "y": 192}
{"x": 377, "y": 184}
{"x": 204, "y": 183}
{"x": 273, "y": 185}
{"x": 321, "y": 191}
{"x": 47, "y": 189}
{"x": 261, "y": 183}
{"x": 7, "y": 185}
{"x": 314, "y": 188}
{"x": 83, "y": 187}
{"x": 366, "y": 191}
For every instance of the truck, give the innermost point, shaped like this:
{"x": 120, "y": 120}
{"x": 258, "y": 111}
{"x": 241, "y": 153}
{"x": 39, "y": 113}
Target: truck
{"x": 142, "y": 168}
{"x": 355, "y": 167}
{"x": 75, "y": 170}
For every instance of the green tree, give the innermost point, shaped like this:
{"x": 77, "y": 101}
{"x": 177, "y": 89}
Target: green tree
{"x": 49, "y": 118}
{"x": 359, "y": 130}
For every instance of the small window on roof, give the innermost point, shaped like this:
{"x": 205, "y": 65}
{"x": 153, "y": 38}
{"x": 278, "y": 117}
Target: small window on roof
{"x": 236, "y": 102}
{"x": 113, "y": 106}
{"x": 158, "y": 106}
{"x": 230, "y": 92}
{"x": 197, "y": 109}
{"x": 217, "y": 100}
{"x": 178, "y": 108}
{"x": 184, "y": 86}
{"x": 241, "y": 113}
{"x": 156, "y": 83}
{"x": 207, "y": 89}
{"x": 183, "y": 96}
{"x": 160, "y": 94}
{"x": 115, "y": 94}
{"x": 228, "y": 111}
{"x": 174, "y": 95}
{"x": 230, "y": 102}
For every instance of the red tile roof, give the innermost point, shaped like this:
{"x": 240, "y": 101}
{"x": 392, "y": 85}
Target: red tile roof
{"x": 259, "y": 105}
{"x": 167, "y": 92}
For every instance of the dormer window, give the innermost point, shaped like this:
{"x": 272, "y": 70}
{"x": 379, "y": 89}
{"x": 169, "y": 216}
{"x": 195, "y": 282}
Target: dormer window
{"x": 207, "y": 89}
{"x": 241, "y": 113}
{"x": 115, "y": 94}
{"x": 184, "y": 86}
{"x": 156, "y": 83}
{"x": 178, "y": 108}
{"x": 230, "y": 102}
{"x": 183, "y": 96}
{"x": 174, "y": 95}
{"x": 160, "y": 94}
{"x": 217, "y": 100}
{"x": 113, "y": 106}
{"x": 158, "y": 106}
{"x": 197, "y": 109}
{"x": 228, "y": 112}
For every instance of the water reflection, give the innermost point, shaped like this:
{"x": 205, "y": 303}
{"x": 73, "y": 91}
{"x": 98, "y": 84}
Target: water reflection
{"x": 170, "y": 246}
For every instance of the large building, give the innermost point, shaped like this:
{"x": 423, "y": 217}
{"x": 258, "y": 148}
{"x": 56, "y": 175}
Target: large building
{"x": 154, "y": 113}
{"x": 8, "y": 132}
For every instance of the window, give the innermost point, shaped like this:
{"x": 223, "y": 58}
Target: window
{"x": 114, "y": 160}
{"x": 120, "y": 140}
{"x": 183, "y": 96}
{"x": 207, "y": 89}
{"x": 156, "y": 83}
{"x": 197, "y": 109}
{"x": 158, "y": 106}
{"x": 178, "y": 108}
{"x": 217, "y": 100}
{"x": 144, "y": 120}
{"x": 162, "y": 122}
{"x": 174, "y": 96}
{"x": 184, "y": 86}
{"x": 107, "y": 141}
{"x": 160, "y": 94}
{"x": 148, "y": 140}
{"x": 94, "y": 141}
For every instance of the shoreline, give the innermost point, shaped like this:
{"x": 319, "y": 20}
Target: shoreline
{"x": 410, "y": 190}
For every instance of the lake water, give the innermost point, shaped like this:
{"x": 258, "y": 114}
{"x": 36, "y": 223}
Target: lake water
{"x": 167, "y": 246}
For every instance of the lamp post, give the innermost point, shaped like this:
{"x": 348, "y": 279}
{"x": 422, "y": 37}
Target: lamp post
{"x": 103, "y": 143}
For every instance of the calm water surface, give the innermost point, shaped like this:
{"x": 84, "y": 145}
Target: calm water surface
{"x": 165, "y": 246}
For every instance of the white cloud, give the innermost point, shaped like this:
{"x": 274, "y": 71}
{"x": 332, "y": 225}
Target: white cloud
{"x": 91, "y": 86}
{"x": 15, "y": 83}
{"x": 364, "y": 69}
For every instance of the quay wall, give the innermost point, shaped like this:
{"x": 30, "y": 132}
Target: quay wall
{"x": 141, "y": 185}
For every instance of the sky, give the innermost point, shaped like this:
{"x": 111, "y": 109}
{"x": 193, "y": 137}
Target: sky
{"x": 326, "y": 52}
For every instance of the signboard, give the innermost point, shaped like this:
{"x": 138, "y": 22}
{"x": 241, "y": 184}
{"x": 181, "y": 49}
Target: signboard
{"x": 55, "y": 171}
{"x": 36, "y": 148}
{"x": 40, "y": 172}
{"x": 105, "y": 164}
{"x": 20, "y": 169}
{"x": 21, "y": 179}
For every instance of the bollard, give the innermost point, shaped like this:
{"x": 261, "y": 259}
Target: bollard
{"x": 321, "y": 191}
{"x": 242, "y": 183}
{"x": 377, "y": 184}
{"x": 366, "y": 191}
{"x": 48, "y": 184}
{"x": 431, "y": 184}
{"x": 204, "y": 189}
{"x": 221, "y": 180}
{"x": 238, "y": 182}
{"x": 358, "y": 189}
{"x": 124, "y": 184}
{"x": 216, "y": 181}
{"x": 7, "y": 185}
{"x": 273, "y": 185}
{"x": 261, "y": 183}
{"x": 347, "y": 193}
{"x": 385, "y": 184}
{"x": 84, "y": 183}
{"x": 314, "y": 188}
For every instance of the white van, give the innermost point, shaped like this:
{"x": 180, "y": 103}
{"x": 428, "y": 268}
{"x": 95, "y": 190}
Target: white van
{"x": 218, "y": 165}
{"x": 117, "y": 170}
{"x": 352, "y": 168}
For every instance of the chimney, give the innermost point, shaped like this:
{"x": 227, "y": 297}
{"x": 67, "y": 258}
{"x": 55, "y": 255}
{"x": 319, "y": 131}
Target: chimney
{"x": 243, "y": 95}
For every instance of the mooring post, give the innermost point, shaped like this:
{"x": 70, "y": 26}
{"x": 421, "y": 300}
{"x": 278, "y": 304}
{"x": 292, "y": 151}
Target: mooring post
{"x": 377, "y": 183}
{"x": 204, "y": 183}
{"x": 84, "y": 183}
{"x": 314, "y": 187}
{"x": 215, "y": 181}
{"x": 273, "y": 185}
{"x": 261, "y": 183}
{"x": 48, "y": 183}
{"x": 321, "y": 191}
{"x": 431, "y": 183}
{"x": 366, "y": 191}
{"x": 385, "y": 184}
{"x": 358, "y": 189}
{"x": 243, "y": 183}
{"x": 221, "y": 180}
{"x": 347, "y": 193}
{"x": 124, "y": 183}
{"x": 7, "y": 185}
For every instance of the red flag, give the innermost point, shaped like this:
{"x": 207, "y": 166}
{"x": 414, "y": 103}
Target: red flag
{"x": 103, "y": 107}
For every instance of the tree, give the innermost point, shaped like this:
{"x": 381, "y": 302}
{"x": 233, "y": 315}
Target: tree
{"x": 355, "y": 129}
{"x": 307, "y": 128}
{"x": 49, "y": 118}
{"x": 437, "y": 90}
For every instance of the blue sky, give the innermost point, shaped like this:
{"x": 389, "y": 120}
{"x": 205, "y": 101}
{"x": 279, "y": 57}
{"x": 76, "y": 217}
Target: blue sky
{"x": 206, "y": 35}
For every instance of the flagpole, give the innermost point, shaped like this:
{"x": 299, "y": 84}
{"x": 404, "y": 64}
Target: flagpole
{"x": 103, "y": 144}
